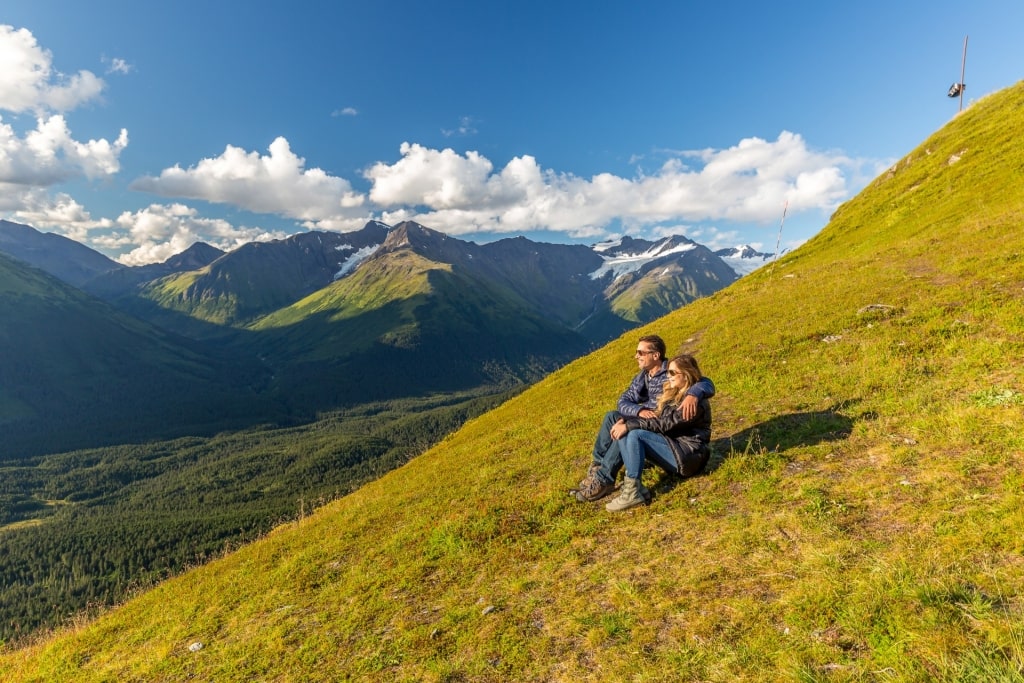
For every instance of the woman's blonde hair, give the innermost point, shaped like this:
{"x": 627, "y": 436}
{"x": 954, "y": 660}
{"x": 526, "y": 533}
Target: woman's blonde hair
{"x": 687, "y": 365}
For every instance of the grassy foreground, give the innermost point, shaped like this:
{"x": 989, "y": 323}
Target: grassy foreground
{"x": 861, "y": 519}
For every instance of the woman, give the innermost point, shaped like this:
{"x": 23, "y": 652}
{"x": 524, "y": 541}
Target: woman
{"x": 667, "y": 440}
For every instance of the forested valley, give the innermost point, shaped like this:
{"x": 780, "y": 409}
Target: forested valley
{"x": 82, "y": 530}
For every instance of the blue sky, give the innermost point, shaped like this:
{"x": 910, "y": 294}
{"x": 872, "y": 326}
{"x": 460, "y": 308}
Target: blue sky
{"x": 139, "y": 128}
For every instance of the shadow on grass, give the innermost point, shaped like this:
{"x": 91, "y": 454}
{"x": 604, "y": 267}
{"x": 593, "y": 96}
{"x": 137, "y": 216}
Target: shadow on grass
{"x": 778, "y": 434}
{"x": 783, "y": 432}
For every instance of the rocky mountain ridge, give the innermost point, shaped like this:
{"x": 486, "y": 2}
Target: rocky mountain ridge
{"x": 567, "y": 283}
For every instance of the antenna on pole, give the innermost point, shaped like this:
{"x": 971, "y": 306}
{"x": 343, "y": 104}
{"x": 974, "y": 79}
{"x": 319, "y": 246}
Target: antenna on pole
{"x": 963, "y": 68}
{"x": 957, "y": 89}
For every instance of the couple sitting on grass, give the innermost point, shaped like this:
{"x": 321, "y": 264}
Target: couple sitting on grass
{"x": 663, "y": 417}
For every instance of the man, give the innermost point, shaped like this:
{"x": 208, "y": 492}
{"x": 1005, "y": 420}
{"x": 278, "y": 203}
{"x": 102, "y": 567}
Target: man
{"x": 638, "y": 400}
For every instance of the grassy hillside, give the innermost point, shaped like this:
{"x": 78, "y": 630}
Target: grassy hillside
{"x": 860, "y": 520}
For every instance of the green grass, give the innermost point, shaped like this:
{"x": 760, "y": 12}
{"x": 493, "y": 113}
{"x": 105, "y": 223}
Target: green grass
{"x": 860, "y": 520}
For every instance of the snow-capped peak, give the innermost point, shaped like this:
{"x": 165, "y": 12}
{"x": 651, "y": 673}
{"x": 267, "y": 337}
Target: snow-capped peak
{"x": 626, "y": 262}
{"x": 605, "y": 246}
{"x": 744, "y": 259}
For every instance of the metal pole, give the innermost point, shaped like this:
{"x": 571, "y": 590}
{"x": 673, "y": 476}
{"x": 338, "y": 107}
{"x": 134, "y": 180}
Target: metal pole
{"x": 778, "y": 240}
{"x": 963, "y": 67}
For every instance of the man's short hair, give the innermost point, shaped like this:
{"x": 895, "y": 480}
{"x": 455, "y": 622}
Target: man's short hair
{"x": 657, "y": 342}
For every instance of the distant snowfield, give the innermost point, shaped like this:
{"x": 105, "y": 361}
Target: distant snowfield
{"x": 744, "y": 259}
{"x": 621, "y": 264}
{"x": 355, "y": 259}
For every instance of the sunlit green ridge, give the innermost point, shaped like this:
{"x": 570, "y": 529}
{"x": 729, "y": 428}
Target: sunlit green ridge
{"x": 860, "y": 520}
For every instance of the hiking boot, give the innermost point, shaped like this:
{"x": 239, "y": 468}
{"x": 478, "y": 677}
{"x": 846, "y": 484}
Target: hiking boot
{"x": 631, "y": 494}
{"x": 595, "y": 489}
{"x": 591, "y": 474}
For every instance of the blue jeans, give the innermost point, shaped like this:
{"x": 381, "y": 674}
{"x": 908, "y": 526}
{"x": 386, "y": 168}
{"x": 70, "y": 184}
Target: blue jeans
{"x": 640, "y": 444}
{"x": 606, "y": 449}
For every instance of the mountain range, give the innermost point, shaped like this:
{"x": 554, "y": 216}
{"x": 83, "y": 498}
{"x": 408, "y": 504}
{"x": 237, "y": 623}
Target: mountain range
{"x": 318, "y": 320}
{"x": 568, "y": 283}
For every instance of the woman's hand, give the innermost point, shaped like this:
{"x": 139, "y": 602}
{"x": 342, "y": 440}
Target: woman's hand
{"x": 618, "y": 430}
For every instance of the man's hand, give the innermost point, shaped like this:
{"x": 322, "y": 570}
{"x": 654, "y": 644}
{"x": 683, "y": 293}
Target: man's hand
{"x": 689, "y": 407}
{"x": 618, "y": 430}
{"x": 647, "y": 412}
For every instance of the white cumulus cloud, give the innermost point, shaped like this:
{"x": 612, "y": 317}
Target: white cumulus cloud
{"x": 277, "y": 183}
{"x": 59, "y": 213}
{"x": 160, "y": 231}
{"x": 428, "y": 177}
{"x": 49, "y": 154}
{"x": 28, "y": 81}
{"x": 749, "y": 182}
